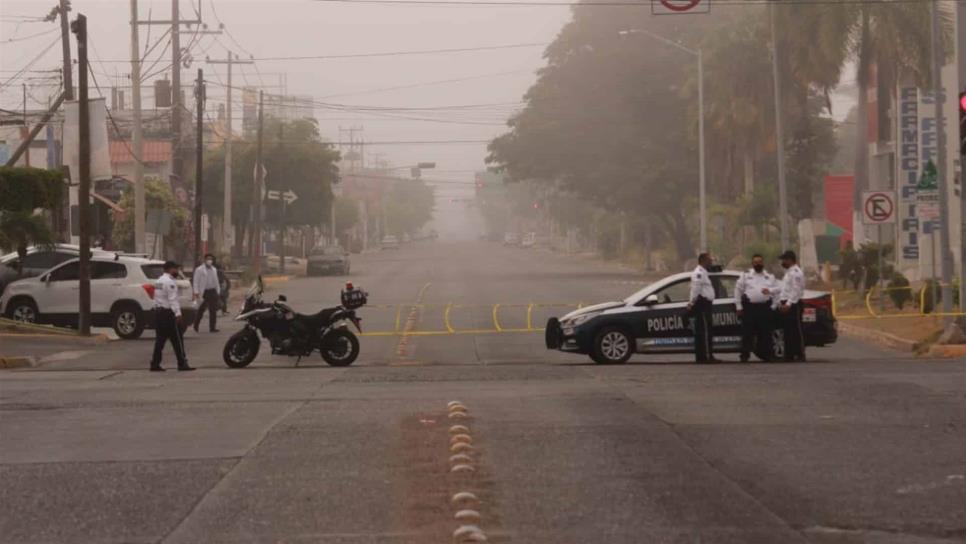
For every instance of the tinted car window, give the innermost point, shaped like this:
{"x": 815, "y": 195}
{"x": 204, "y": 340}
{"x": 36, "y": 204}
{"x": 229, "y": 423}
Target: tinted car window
{"x": 67, "y": 272}
{"x": 152, "y": 271}
{"x": 676, "y": 292}
{"x": 724, "y": 286}
{"x": 107, "y": 271}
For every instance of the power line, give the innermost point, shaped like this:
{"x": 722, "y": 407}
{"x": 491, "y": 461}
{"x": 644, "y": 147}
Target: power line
{"x": 427, "y": 83}
{"x": 615, "y": 3}
{"x": 44, "y": 33}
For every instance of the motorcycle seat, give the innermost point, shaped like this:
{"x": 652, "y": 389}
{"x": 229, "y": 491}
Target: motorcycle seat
{"x": 322, "y": 317}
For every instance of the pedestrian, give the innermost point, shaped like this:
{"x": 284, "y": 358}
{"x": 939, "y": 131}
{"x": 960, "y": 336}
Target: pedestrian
{"x": 167, "y": 315}
{"x": 224, "y": 288}
{"x": 207, "y": 287}
{"x": 790, "y": 307}
{"x": 699, "y": 308}
{"x": 755, "y": 295}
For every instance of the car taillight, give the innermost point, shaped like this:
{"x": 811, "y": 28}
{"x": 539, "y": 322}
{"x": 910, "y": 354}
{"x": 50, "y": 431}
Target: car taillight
{"x": 149, "y": 289}
{"x": 821, "y": 302}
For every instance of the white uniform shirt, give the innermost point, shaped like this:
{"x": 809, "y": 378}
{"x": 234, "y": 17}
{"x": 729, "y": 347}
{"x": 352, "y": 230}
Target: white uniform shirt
{"x": 701, "y": 285}
{"x": 166, "y": 294}
{"x": 205, "y": 278}
{"x": 751, "y": 284}
{"x": 793, "y": 285}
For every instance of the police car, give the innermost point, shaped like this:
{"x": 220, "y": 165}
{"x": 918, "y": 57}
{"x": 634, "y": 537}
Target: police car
{"x": 653, "y": 321}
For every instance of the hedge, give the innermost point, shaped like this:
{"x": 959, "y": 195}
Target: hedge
{"x": 26, "y": 189}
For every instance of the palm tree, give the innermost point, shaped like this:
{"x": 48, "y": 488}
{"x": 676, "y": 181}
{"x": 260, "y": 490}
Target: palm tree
{"x": 19, "y": 229}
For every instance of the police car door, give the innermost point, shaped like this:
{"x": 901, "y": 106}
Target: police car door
{"x": 664, "y": 327}
{"x": 724, "y": 319}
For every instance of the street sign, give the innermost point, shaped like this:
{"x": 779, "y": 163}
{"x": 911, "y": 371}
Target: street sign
{"x": 878, "y": 207}
{"x": 678, "y": 7}
{"x": 288, "y": 196}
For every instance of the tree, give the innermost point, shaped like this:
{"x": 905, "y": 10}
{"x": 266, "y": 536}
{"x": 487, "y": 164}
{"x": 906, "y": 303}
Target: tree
{"x": 24, "y": 190}
{"x": 157, "y": 196}
{"x": 408, "y": 206}
{"x": 295, "y": 158}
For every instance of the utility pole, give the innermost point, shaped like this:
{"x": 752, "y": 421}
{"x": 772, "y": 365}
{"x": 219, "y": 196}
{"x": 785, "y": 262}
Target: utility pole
{"x": 137, "y": 136}
{"x": 257, "y": 197}
{"x": 79, "y": 27}
{"x": 938, "y": 55}
{"x": 199, "y": 163}
{"x": 176, "y": 162}
{"x": 65, "y": 47}
{"x": 227, "y": 232}
{"x": 779, "y": 134}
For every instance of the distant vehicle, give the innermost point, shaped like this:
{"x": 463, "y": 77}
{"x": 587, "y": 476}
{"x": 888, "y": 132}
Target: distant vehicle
{"x": 327, "y": 260}
{"x": 39, "y": 259}
{"x": 291, "y": 263}
{"x": 653, "y": 320}
{"x": 406, "y": 239}
{"x": 122, "y": 295}
{"x": 390, "y": 242}
{"x": 511, "y": 239}
{"x": 529, "y": 240}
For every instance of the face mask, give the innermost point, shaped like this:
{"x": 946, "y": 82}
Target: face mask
{"x": 786, "y": 264}
{"x": 758, "y": 267}
{"x": 209, "y": 262}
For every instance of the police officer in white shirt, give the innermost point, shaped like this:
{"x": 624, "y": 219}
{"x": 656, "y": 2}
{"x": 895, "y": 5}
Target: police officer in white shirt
{"x": 755, "y": 295}
{"x": 207, "y": 287}
{"x": 167, "y": 312}
{"x": 699, "y": 308}
{"x": 790, "y": 307}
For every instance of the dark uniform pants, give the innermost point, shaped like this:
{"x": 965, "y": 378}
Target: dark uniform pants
{"x": 794, "y": 337}
{"x": 166, "y": 328}
{"x": 211, "y": 301}
{"x": 756, "y": 328}
{"x": 703, "y": 336}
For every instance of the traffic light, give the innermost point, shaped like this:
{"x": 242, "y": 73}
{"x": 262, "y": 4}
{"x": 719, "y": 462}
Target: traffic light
{"x": 962, "y": 123}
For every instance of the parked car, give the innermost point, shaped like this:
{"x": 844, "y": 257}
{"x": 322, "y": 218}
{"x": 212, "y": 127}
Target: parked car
{"x": 39, "y": 259}
{"x": 328, "y": 260}
{"x": 653, "y": 320}
{"x": 390, "y": 242}
{"x": 511, "y": 239}
{"x": 529, "y": 239}
{"x": 122, "y": 295}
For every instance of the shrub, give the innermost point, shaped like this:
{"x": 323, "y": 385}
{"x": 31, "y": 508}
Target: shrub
{"x": 899, "y": 290}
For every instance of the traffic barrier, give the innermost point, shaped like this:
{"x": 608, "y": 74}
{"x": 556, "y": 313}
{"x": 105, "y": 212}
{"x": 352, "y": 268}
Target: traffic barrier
{"x": 873, "y": 297}
{"x": 499, "y": 315}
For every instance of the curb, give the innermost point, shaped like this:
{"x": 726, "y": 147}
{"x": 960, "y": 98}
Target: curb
{"x": 947, "y": 351}
{"x": 60, "y": 338}
{"x": 881, "y": 338}
{"x": 16, "y": 362}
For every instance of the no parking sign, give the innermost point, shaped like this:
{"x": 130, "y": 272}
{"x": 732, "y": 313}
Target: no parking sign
{"x": 878, "y": 207}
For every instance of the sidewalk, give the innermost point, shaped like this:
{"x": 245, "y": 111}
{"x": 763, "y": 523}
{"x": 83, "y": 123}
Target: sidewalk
{"x": 909, "y": 334}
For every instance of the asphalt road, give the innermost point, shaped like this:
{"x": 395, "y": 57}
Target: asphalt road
{"x": 858, "y": 446}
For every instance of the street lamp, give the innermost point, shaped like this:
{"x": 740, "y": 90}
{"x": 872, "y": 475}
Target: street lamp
{"x": 702, "y": 199}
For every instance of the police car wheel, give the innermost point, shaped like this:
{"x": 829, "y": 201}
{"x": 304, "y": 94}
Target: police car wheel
{"x": 612, "y": 345}
{"x": 777, "y": 344}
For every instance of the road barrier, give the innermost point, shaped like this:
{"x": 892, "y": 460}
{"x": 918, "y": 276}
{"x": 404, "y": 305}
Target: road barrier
{"x": 877, "y": 303}
{"x": 498, "y": 317}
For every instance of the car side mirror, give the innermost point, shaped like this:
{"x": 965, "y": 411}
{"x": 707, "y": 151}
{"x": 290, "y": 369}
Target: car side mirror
{"x": 650, "y": 300}
{"x": 283, "y": 298}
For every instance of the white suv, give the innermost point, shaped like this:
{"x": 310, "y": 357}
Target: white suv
{"x": 122, "y": 293}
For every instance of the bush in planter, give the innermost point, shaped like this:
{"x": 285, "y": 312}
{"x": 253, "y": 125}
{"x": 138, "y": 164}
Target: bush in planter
{"x": 899, "y": 290}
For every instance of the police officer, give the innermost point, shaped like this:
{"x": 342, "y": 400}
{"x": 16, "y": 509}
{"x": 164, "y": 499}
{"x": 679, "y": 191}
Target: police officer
{"x": 755, "y": 294}
{"x": 699, "y": 308}
{"x": 790, "y": 307}
{"x": 167, "y": 311}
{"x": 207, "y": 287}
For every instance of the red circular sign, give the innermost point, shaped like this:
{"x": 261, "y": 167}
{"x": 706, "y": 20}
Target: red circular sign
{"x": 680, "y": 5}
{"x": 879, "y": 207}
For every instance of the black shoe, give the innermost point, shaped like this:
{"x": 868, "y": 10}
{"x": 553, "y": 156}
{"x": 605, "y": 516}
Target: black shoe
{"x": 185, "y": 368}
{"x": 744, "y": 358}
{"x": 156, "y": 369}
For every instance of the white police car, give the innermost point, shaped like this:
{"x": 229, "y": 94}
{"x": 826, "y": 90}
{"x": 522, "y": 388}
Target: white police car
{"x": 653, "y": 321}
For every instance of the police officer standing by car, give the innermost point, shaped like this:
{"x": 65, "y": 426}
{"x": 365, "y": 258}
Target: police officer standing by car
{"x": 699, "y": 308}
{"x": 206, "y": 285}
{"x": 790, "y": 307}
{"x": 167, "y": 312}
{"x": 755, "y": 294}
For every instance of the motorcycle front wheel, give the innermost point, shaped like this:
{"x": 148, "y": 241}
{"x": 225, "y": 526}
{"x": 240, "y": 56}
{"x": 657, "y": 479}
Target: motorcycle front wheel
{"x": 340, "y": 348}
{"x": 241, "y": 348}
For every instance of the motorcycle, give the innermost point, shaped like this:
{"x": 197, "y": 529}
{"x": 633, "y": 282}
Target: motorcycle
{"x": 293, "y": 334}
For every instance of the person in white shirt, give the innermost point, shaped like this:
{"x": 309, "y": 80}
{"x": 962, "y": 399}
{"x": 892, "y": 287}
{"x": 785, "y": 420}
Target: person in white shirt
{"x": 167, "y": 315}
{"x": 207, "y": 287}
{"x": 790, "y": 307}
{"x": 699, "y": 308}
{"x": 755, "y": 295}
